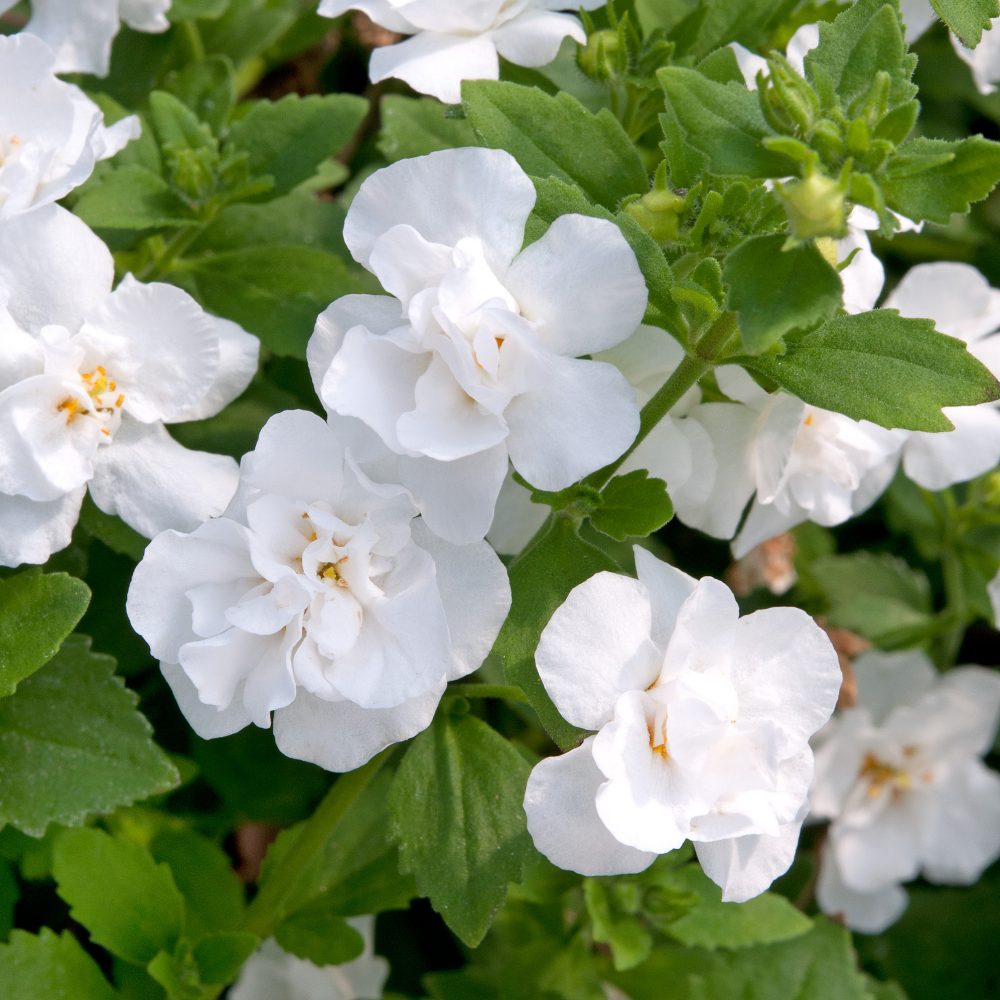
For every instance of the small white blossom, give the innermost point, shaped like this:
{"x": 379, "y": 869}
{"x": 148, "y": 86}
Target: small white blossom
{"x": 271, "y": 973}
{"x": 901, "y": 780}
{"x": 81, "y": 31}
{"x": 456, "y": 40}
{"x": 88, "y": 378}
{"x": 51, "y": 133}
{"x": 703, "y": 720}
{"x": 318, "y": 597}
{"x": 474, "y": 359}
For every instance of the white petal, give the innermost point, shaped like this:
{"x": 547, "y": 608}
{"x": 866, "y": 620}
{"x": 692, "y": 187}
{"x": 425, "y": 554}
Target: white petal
{"x": 239, "y": 354}
{"x": 80, "y": 33}
{"x": 30, "y": 531}
{"x": 647, "y": 359}
{"x": 765, "y": 521}
{"x": 475, "y": 593}
{"x": 918, "y": 16}
{"x": 533, "y": 38}
{"x": 668, "y": 588}
{"x": 595, "y": 646}
{"x": 153, "y": 483}
{"x": 581, "y": 285}
{"x": 563, "y": 820}
{"x": 145, "y": 15}
{"x": 405, "y": 263}
{"x": 864, "y": 278}
{"x": 446, "y": 196}
{"x": 382, "y": 12}
{"x": 584, "y": 418}
{"x": 54, "y": 269}
{"x": 785, "y": 671}
{"x": 206, "y": 720}
{"x": 517, "y": 518}
{"x": 340, "y": 736}
{"x": 937, "y": 461}
{"x": 889, "y": 680}
{"x": 979, "y": 688}
{"x": 866, "y": 912}
{"x": 880, "y": 847}
{"x": 437, "y": 64}
{"x": 984, "y": 59}
{"x": 457, "y": 499}
{"x": 738, "y": 384}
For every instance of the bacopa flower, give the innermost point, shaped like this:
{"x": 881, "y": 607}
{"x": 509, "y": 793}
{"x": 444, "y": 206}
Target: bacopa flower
{"x": 51, "y": 134}
{"x": 475, "y": 358}
{"x": 456, "y": 40}
{"x": 272, "y": 973}
{"x": 900, "y": 778}
{"x": 88, "y": 378}
{"x": 81, "y": 31}
{"x": 703, "y": 720}
{"x": 318, "y": 597}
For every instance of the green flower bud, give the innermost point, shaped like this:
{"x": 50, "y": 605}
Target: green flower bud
{"x": 816, "y": 207}
{"x": 658, "y": 213}
{"x": 599, "y": 57}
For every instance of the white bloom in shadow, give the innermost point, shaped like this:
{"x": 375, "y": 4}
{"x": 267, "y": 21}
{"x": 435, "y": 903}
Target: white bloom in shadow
{"x": 474, "y": 359}
{"x": 51, "y": 133}
{"x": 456, "y": 40}
{"x": 271, "y": 973}
{"x": 88, "y": 378}
{"x": 703, "y": 720}
{"x": 80, "y": 32}
{"x": 900, "y": 778}
{"x": 318, "y": 597}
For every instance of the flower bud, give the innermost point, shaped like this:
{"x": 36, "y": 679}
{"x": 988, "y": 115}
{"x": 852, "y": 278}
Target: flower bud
{"x": 599, "y": 57}
{"x": 658, "y": 213}
{"x": 815, "y": 205}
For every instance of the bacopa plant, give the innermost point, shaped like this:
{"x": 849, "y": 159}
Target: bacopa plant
{"x": 499, "y": 499}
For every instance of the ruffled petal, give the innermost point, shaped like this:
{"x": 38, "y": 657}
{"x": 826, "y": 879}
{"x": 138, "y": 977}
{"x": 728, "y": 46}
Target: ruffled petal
{"x": 937, "y": 461}
{"x": 30, "y": 531}
{"x": 239, "y": 354}
{"x": 534, "y": 37}
{"x": 206, "y": 720}
{"x": 866, "y": 912}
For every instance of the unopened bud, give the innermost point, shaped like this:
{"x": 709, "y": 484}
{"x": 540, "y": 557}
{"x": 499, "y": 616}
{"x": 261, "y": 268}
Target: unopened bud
{"x": 599, "y": 57}
{"x": 658, "y": 213}
{"x": 815, "y": 205}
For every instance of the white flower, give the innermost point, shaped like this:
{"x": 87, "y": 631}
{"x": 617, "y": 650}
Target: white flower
{"x": 963, "y": 305}
{"x": 901, "y": 779}
{"x": 271, "y": 973}
{"x": 456, "y": 40}
{"x": 798, "y": 462}
{"x": 704, "y": 722}
{"x": 475, "y": 358}
{"x": 51, "y": 133}
{"x": 88, "y": 378}
{"x": 319, "y": 598}
{"x": 81, "y": 31}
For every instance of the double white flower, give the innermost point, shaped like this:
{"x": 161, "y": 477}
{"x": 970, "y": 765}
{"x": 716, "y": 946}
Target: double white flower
{"x": 88, "y": 378}
{"x": 456, "y": 40}
{"x": 318, "y": 597}
{"x": 474, "y": 358}
{"x": 51, "y": 133}
{"x": 703, "y": 720}
{"x": 901, "y": 779}
{"x": 81, "y": 31}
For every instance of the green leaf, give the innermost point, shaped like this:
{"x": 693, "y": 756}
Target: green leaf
{"x": 715, "y": 23}
{"x": 49, "y": 967}
{"x": 931, "y": 178}
{"x": 540, "y": 578}
{"x": 418, "y": 126}
{"x": 111, "y": 530}
{"x": 220, "y": 956}
{"x": 967, "y": 18}
{"x": 633, "y": 506}
{"x": 557, "y": 137}
{"x": 458, "y": 820}
{"x": 876, "y": 595}
{"x": 188, "y": 10}
{"x": 177, "y": 127}
{"x": 37, "y": 612}
{"x": 288, "y": 139}
{"x": 722, "y": 121}
{"x": 775, "y": 291}
{"x": 319, "y": 937}
{"x": 881, "y": 367}
{"x": 128, "y": 903}
{"x": 72, "y": 743}
{"x": 616, "y": 923}
{"x": 275, "y": 292}
{"x": 712, "y": 924}
{"x": 132, "y": 197}
{"x": 204, "y": 875}
{"x": 9, "y": 894}
{"x": 208, "y": 88}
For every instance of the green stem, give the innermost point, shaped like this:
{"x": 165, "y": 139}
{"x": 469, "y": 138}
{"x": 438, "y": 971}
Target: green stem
{"x": 503, "y": 692}
{"x": 174, "y": 247}
{"x": 193, "y": 40}
{"x": 269, "y": 908}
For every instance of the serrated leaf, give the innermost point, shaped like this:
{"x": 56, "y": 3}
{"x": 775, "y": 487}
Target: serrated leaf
{"x": 540, "y": 578}
{"x": 967, "y": 18}
{"x": 881, "y": 367}
{"x": 288, "y": 139}
{"x": 37, "y": 612}
{"x": 320, "y": 937}
{"x": 633, "y": 506}
{"x": 418, "y": 126}
{"x": 932, "y": 178}
{"x": 723, "y": 122}
{"x": 557, "y": 137}
{"x": 72, "y": 743}
{"x": 128, "y": 902}
{"x": 50, "y": 967}
{"x": 774, "y": 291}
{"x": 458, "y": 820}
{"x": 132, "y": 197}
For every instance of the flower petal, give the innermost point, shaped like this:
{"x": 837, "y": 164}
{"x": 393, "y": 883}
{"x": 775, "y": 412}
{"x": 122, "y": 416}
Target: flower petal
{"x": 866, "y": 912}
{"x": 517, "y": 518}
{"x": 30, "y": 531}
{"x": 887, "y": 681}
{"x": 563, "y": 820}
{"x": 937, "y": 461}
{"x": 206, "y": 720}
{"x": 534, "y": 37}
{"x": 239, "y": 354}
{"x": 668, "y": 588}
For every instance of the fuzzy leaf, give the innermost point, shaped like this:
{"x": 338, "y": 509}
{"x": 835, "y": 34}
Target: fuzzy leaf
{"x": 418, "y": 126}
{"x": 967, "y": 18}
{"x": 633, "y": 506}
{"x": 132, "y": 197}
{"x": 319, "y": 937}
{"x": 50, "y": 967}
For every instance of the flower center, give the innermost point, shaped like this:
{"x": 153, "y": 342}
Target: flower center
{"x": 104, "y": 395}
{"x": 329, "y": 573}
{"x": 882, "y": 777}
